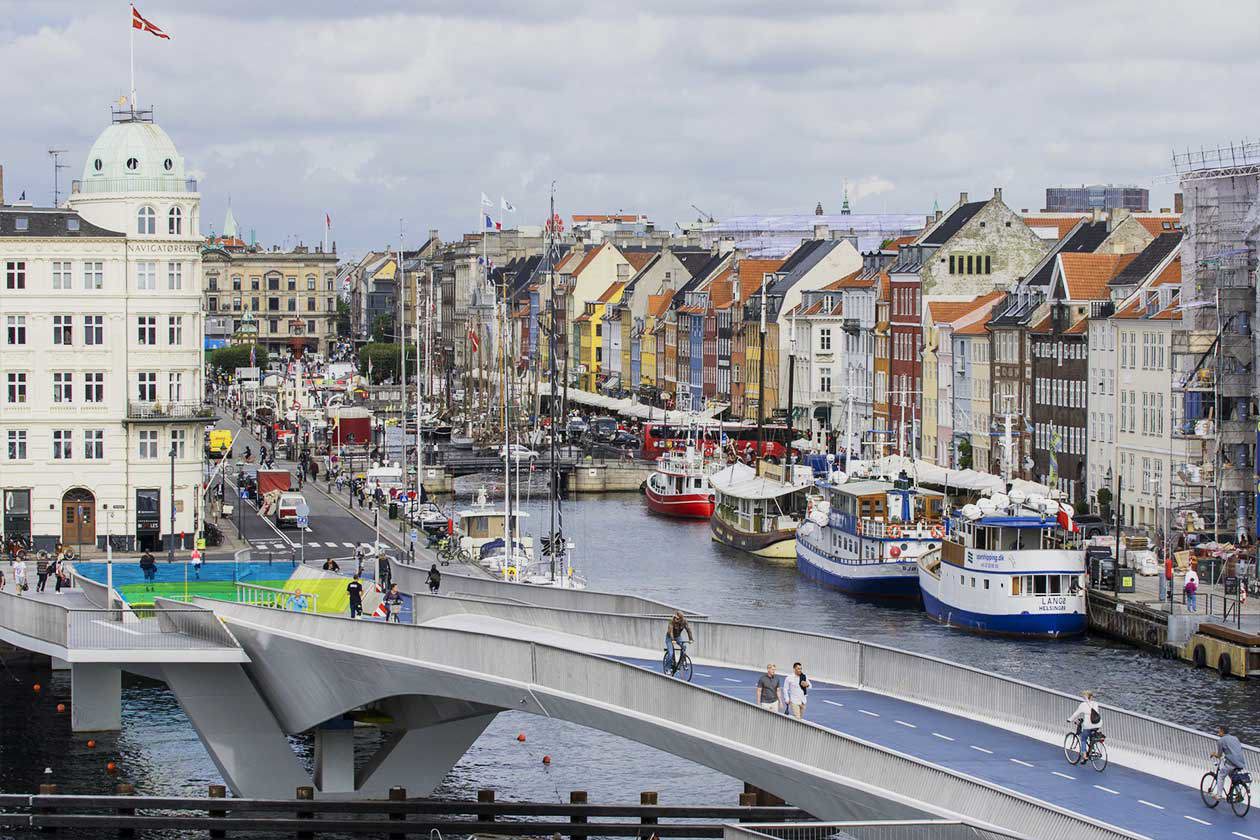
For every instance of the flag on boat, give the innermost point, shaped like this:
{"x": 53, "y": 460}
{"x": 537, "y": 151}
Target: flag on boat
{"x": 138, "y": 21}
{"x": 327, "y": 222}
{"x": 507, "y": 205}
{"x": 485, "y": 201}
{"x": 473, "y": 340}
{"x": 1065, "y": 519}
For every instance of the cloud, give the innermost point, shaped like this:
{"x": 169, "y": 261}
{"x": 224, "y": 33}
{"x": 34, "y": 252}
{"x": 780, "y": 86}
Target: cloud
{"x": 380, "y": 110}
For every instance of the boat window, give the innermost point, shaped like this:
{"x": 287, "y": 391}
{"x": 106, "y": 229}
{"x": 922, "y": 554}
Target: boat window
{"x": 986, "y": 583}
{"x": 973, "y": 583}
{"x": 1016, "y": 585}
{"x": 1039, "y": 584}
{"x": 1056, "y": 584}
{"x": 984, "y": 538}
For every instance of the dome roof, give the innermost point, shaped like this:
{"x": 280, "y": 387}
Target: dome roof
{"x": 133, "y": 155}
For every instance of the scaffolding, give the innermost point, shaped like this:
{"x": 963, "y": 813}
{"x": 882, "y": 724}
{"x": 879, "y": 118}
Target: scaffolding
{"x": 1213, "y": 353}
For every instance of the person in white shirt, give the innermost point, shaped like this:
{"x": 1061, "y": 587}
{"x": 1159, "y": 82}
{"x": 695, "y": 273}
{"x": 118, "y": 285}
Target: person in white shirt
{"x": 794, "y": 688}
{"x": 19, "y": 574}
{"x": 1088, "y": 717}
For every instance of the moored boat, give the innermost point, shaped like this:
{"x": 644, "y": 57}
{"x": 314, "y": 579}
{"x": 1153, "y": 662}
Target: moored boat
{"x": 680, "y": 485}
{"x": 758, "y": 510}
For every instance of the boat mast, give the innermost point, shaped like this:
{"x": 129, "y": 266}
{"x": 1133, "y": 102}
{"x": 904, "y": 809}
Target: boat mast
{"x": 419, "y": 405}
{"x": 551, "y": 365}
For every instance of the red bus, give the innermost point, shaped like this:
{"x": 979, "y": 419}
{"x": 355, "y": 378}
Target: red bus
{"x": 737, "y": 438}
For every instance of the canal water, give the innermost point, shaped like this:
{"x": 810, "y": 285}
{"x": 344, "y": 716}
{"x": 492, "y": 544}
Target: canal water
{"x": 621, "y": 547}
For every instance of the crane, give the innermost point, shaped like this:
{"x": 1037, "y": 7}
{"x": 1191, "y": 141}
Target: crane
{"x": 704, "y": 217}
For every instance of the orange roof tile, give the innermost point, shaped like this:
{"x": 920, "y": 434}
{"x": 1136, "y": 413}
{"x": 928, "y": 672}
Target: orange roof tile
{"x": 751, "y": 274}
{"x": 895, "y": 244}
{"x": 1172, "y": 313}
{"x": 1155, "y": 224}
{"x": 1078, "y": 328}
{"x": 568, "y": 261}
{"x": 1063, "y": 222}
{"x": 1170, "y": 274}
{"x": 638, "y": 259}
{"x": 976, "y": 328}
{"x": 720, "y": 289}
{"x": 844, "y": 282}
{"x": 1132, "y": 310}
{"x": 658, "y": 304}
{"x": 1086, "y": 275}
{"x": 611, "y": 292}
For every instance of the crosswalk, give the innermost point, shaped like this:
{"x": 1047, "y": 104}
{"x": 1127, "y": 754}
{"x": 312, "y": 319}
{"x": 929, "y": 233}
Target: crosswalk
{"x": 273, "y": 545}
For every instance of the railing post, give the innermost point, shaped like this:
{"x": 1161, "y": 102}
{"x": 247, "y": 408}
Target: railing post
{"x": 217, "y": 792}
{"x": 125, "y": 789}
{"x": 648, "y": 797}
{"x": 305, "y": 793}
{"x": 47, "y": 790}
{"x": 577, "y": 797}
{"x": 485, "y": 797}
{"x": 397, "y": 794}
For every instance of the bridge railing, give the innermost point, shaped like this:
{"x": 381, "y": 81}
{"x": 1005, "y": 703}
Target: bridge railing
{"x": 175, "y": 616}
{"x": 269, "y": 596}
{"x": 36, "y": 619}
{"x": 874, "y": 830}
{"x": 923, "y": 679}
{"x": 96, "y": 593}
{"x": 117, "y": 629}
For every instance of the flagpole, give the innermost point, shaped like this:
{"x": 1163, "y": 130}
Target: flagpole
{"x": 132, "y": 29}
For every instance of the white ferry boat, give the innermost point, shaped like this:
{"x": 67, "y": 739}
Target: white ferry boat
{"x": 758, "y": 510}
{"x": 1008, "y": 569}
{"x": 482, "y": 531}
{"x": 870, "y": 542}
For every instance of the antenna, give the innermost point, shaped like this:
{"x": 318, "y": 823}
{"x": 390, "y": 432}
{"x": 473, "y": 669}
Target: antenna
{"x": 56, "y": 154}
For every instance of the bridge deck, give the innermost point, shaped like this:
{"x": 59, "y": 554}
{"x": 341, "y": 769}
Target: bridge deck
{"x": 1139, "y": 802}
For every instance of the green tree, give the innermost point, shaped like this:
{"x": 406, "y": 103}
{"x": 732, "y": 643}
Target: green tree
{"x": 964, "y": 454}
{"x": 228, "y": 359}
{"x": 1104, "y": 503}
{"x": 383, "y": 329}
{"x": 343, "y": 318}
{"x": 384, "y": 358}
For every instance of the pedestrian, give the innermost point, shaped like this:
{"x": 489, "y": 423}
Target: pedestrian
{"x": 19, "y": 574}
{"x": 59, "y": 574}
{"x": 434, "y": 579}
{"x": 296, "y": 602}
{"x": 355, "y": 589}
{"x": 795, "y": 689}
{"x": 330, "y": 565}
{"x": 196, "y": 563}
{"x": 41, "y": 571}
{"x": 394, "y": 603}
{"x": 149, "y": 567}
{"x": 1191, "y": 589}
{"x": 769, "y": 690}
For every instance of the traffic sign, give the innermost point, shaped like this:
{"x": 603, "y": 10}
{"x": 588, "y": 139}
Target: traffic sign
{"x": 244, "y": 493}
{"x": 303, "y": 521}
{"x": 411, "y": 494}
{"x": 415, "y": 535}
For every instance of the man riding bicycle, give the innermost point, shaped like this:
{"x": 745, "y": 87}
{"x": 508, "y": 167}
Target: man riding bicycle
{"x": 1229, "y": 750}
{"x": 673, "y": 636}
{"x": 1087, "y": 717}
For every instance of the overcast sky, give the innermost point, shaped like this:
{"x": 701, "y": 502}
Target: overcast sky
{"x": 374, "y": 111}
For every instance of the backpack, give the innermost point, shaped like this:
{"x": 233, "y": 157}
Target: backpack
{"x": 1094, "y": 717}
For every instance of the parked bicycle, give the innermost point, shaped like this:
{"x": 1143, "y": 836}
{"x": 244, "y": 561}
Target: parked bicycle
{"x": 1237, "y": 791}
{"x": 1096, "y": 757}
{"x": 677, "y": 665}
{"x": 449, "y": 551}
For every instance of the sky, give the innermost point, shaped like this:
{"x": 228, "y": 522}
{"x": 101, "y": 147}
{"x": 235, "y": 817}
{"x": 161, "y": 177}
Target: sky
{"x": 378, "y": 112}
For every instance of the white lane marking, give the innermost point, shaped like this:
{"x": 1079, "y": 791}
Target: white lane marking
{"x": 1017, "y": 761}
{"x": 872, "y": 714}
{"x": 981, "y": 749}
{"x": 308, "y": 530}
{"x": 942, "y": 737}
{"x": 1196, "y": 819}
{"x": 834, "y": 703}
{"x": 114, "y": 626}
{"x": 730, "y": 679}
{"x": 702, "y": 675}
{"x": 1245, "y": 836}
{"x": 1108, "y": 790}
{"x": 346, "y": 544}
{"x": 1062, "y": 775}
{"x": 1151, "y": 805}
{"x": 907, "y": 725}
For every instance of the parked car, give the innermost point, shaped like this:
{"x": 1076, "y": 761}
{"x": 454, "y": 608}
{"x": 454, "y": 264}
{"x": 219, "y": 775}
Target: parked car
{"x": 1091, "y": 525}
{"x": 604, "y": 428}
{"x": 290, "y": 508}
{"x": 625, "y": 440}
{"x": 576, "y": 427}
{"x": 519, "y": 453}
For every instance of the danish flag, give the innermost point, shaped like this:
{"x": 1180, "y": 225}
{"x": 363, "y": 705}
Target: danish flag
{"x": 138, "y": 22}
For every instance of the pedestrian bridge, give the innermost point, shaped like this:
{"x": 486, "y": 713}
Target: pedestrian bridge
{"x": 889, "y": 734}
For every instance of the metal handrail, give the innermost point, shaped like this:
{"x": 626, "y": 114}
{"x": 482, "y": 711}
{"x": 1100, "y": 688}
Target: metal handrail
{"x": 120, "y": 629}
{"x": 866, "y": 830}
{"x": 268, "y": 596}
{"x": 175, "y": 616}
{"x": 37, "y": 619}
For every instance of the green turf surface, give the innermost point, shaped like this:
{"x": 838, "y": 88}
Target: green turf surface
{"x": 139, "y": 593}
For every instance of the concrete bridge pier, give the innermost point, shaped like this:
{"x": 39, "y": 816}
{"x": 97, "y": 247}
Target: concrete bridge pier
{"x": 334, "y": 756}
{"x": 428, "y": 736}
{"x": 96, "y": 697}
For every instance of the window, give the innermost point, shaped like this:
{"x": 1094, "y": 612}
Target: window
{"x": 236, "y": 282}
{"x": 824, "y": 338}
{"x": 146, "y": 332}
{"x": 255, "y": 284}
{"x": 273, "y": 304}
{"x": 175, "y": 221}
{"x": 17, "y": 388}
{"x": 62, "y": 440}
{"x": 273, "y": 324}
{"x": 310, "y": 282}
{"x": 93, "y": 275}
{"x": 293, "y": 308}
{"x": 175, "y": 387}
{"x": 63, "y": 330}
{"x": 213, "y": 304}
{"x": 291, "y": 282}
{"x": 147, "y": 386}
{"x": 93, "y": 330}
{"x": 94, "y": 387}
{"x": 824, "y": 379}
{"x": 212, "y": 283}
{"x": 146, "y": 276}
{"x": 17, "y": 444}
{"x": 174, "y": 276}
{"x": 94, "y": 444}
{"x": 146, "y": 217}
{"x": 22, "y": 223}
{"x": 63, "y": 386}
{"x": 175, "y": 330}
{"x": 273, "y": 283}
{"x": 310, "y": 327}
{"x": 15, "y": 330}
{"x": 15, "y": 274}
{"x": 61, "y": 272}
{"x": 148, "y": 444}
{"x": 310, "y": 304}
{"x": 178, "y": 438}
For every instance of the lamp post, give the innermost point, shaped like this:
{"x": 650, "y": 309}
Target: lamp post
{"x": 170, "y": 555}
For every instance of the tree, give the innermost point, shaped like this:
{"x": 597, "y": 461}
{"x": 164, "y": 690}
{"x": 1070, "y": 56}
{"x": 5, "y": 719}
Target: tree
{"x": 343, "y": 318}
{"x": 964, "y": 454}
{"x": 384, "y": 359}
{"x": 383, "y": 329}
{"x": 1104, "y": 502}
{"x": 228, "y": 359}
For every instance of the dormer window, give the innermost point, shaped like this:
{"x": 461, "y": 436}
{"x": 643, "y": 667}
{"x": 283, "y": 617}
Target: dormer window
{"x": 175, "y": 220}
{"x": 72, "y": 223}
{"x": 146, "y": 220}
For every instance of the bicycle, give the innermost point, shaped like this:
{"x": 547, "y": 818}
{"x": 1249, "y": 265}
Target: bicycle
{"x": 1096, "y": 757}
{"x": 450, "y": 551}
{"x": 674, "y": 666}
{"x": 1238, "y": 794}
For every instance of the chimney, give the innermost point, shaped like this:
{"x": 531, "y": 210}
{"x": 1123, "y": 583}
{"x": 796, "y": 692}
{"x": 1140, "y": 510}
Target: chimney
{"x": 1023, "y": 210}
{"x": 1177, "y": 205}
{"x": 997, "y": 193}
{"x": 1118, "y": 215}
{"x": 929, "y": 218}
{"x": 1095, "y": 214}
{"x": 962, "y": 198}
{"x": 1165, "y": 209}
{"x": 938, "y": 215}
{"x": 433, "y": 234}
{"x": 725, "y": 245}
{"x": 822, "y": 231}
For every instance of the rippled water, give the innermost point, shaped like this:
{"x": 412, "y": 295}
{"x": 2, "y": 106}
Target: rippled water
{"x": 621, "y": 547}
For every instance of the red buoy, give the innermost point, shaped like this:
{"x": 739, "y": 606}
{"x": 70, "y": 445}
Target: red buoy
{"x": 91, "y": 745}
{"x": 61, "y": 707}
{"x": 111, "y": 767}
{"x": 36, "y": 688}
{"x": 546, "y": 759}
{"x": 521, "y": 737}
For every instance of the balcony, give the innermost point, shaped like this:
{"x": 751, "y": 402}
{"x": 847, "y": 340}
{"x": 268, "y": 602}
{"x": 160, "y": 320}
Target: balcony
{"x": 168, "y": 412}
{"x": 160, "y": 184}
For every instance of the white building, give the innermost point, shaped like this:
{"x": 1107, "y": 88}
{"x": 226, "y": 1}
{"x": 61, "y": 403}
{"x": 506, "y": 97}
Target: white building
{"x": 102, "y": 361}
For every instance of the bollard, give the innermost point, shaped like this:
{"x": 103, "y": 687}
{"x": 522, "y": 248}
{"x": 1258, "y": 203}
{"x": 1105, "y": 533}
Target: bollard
{"x": 577, "y": 797}
{"x": 305, "y": 793}
{"x": 47, "y": 790}
{"x": 397, "y": 794}
{"x": 217, "y": 792}
{"x": 648, "y": 797}
{"x": 485, "y": 797}
{"x": 747, "y": 800}
{"x": 124, "y": 789}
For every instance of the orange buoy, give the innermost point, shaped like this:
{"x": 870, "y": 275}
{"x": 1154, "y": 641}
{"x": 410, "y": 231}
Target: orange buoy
{"x": 521, "y": 737}
{"x": 36, "y": 688}
{"x": 61, "y": 707}
{"x": 91, "y": 745}
{"x": 546, "y": 759}
{"x": 111, "y": 767}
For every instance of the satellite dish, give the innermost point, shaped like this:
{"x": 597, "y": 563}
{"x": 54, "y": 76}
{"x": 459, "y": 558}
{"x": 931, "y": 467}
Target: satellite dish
{"x": 1000, "y": 500}
{"x": 839, "y": 477}
{"x": 972, "y": 512}
{"x": 1018, "y": 497}
{"x": 986, "y": 505}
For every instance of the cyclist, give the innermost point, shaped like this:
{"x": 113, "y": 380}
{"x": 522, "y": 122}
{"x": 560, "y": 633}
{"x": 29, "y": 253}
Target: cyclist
{"x": 1229, "y": 750}
{"x": 1087, "y": 717}
{"x": 673, "y": 636}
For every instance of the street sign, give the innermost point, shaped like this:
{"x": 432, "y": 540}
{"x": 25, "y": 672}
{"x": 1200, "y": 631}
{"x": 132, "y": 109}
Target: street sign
{"x": 302, "y": 521}
{"x": 244, "y": 493}
{"x": 201, "y": 543}
{"x": 414, "y": 535}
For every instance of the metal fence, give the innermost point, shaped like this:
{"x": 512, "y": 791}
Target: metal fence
{"x": 173, "y": 616}
{"x": 97, "y": 594}
{"x": 119, "y": 629}
{"x": 36, "y": 619}
{"x": 874, "y": 830}
{"x": 280, "y": 599}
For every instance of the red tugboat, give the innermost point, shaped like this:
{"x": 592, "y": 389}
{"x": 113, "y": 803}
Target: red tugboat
{"x": 680, "y": 485}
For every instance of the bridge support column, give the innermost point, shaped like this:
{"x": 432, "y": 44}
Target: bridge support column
{"x": 59, "y": 664}
{"x": 238, "y": 730}
{"x": 419, "y": 759}
{"x": 334, "y": 757}
{"x": 96, "y": 697}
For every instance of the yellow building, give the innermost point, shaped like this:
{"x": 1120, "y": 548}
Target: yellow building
{"x": 590, "y": 338}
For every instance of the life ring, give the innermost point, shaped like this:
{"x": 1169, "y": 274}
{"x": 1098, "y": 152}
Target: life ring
{"x": 938, "y": 532}
{"x": 894, "y": 532}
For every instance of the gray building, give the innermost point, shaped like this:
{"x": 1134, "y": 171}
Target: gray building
{"x": 1084, "y": 198}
